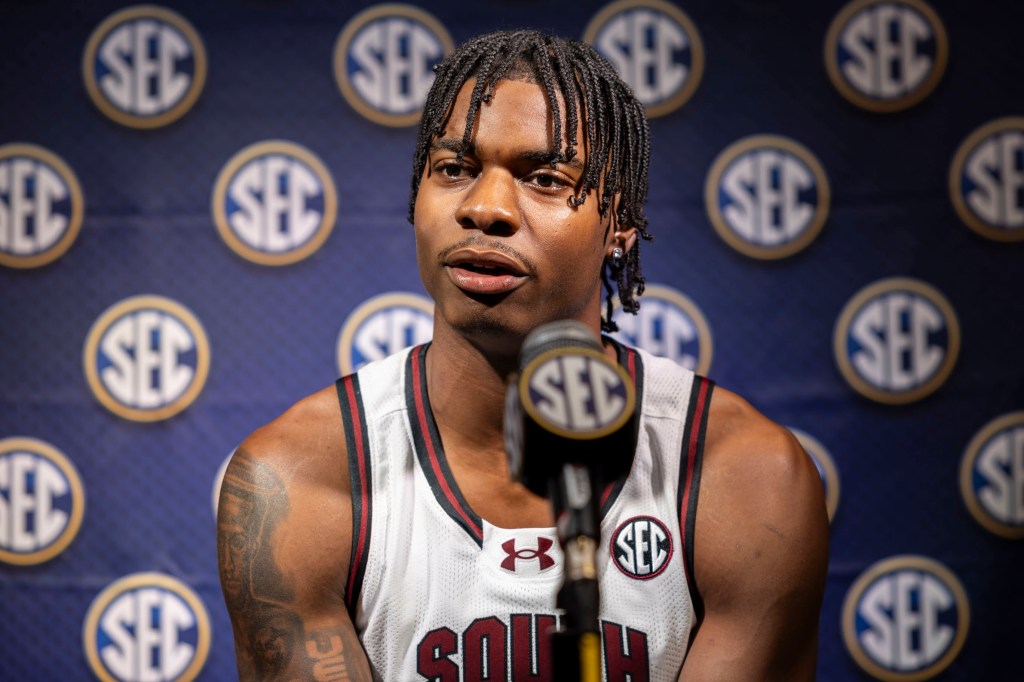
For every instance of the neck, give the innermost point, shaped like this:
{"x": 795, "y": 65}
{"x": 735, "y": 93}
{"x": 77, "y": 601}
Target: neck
{"x": 467, "y": 381}
{"x": 467, "y": 385}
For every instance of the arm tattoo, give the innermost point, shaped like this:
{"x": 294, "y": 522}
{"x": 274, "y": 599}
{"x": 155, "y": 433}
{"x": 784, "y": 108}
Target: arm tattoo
{"x": 253, "y": 501}
{"x": 271, "y": 640}
{"x": 326, "y": 652}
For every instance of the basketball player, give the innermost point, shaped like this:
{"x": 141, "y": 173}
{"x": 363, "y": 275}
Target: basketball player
{"x": 373, "y": 530}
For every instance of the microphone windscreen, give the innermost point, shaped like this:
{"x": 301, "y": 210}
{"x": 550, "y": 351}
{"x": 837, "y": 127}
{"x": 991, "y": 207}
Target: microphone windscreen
{"x": 568, "y": 404}
{"x": 554, "y": 335}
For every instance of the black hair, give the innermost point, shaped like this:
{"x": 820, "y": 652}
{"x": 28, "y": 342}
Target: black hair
{"x": 617, "y": 134}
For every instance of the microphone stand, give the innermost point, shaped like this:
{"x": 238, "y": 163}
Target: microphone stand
{"x": 574, "y": 408}
{"x": 576, "y": 642}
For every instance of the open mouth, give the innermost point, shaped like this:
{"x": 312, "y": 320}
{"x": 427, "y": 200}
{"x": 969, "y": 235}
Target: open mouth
{"x": 487, "y": 269}
{"x": 477, "y": 273}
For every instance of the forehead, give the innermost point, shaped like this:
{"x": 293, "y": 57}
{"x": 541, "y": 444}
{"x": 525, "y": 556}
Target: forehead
{"x": 518, "y": 110}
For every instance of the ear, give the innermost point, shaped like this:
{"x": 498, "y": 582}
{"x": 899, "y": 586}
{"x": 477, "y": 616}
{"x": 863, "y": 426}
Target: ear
{"x": 623, "y": 238}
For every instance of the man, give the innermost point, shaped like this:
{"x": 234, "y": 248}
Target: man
{"x": 373, "y": 530}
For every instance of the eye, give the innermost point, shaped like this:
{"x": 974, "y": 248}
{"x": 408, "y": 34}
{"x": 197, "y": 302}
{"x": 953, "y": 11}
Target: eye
{"x": 452, "y": 169}
{"x": 548, "y": 180}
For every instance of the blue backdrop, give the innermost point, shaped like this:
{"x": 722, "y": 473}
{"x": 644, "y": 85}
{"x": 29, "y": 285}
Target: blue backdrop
{"x": 203, "y": 218}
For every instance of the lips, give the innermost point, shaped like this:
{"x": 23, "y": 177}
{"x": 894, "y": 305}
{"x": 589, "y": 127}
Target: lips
{"x": 484, "y": 272}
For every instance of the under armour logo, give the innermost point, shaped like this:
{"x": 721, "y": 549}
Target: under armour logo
{"x": 540, "y": 554}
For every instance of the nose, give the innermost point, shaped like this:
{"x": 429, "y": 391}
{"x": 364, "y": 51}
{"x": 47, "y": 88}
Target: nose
{"x": 489, "y": 204}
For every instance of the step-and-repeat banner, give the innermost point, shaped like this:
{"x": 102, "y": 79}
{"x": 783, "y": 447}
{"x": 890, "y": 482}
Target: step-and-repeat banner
{"x": 203, "y": 218}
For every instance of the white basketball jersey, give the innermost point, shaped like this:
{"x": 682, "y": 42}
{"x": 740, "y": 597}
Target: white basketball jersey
{"x": 437, "y": 593}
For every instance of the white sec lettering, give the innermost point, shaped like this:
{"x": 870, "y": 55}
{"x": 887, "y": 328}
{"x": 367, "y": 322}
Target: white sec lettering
{"x": 578, "y": 392}
{"x": 894, "y": 67}
{"x": 28, "y": 224}
{"x": 1001, "y": 463}
{"x": 547, "y": 381}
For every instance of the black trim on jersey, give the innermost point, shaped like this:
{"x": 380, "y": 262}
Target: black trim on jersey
{"x": 353, "y": 417}
{"x": 630, "y": 360}
{"x": 692, "y": 458}
{"x": 429, "y": 449}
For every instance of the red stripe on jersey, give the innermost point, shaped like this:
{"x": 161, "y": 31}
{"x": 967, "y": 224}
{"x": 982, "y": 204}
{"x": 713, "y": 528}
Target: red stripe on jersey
{"x": 364, "y": 494}
{"x": 435, "y": 464}
{"x": 691, "y": 459}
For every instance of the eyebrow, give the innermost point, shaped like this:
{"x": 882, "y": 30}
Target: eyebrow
{"x": 450, "y": 144}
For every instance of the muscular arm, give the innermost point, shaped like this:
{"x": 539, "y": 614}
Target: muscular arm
{"x": 283, "y": 535}
{"x": 760, "y": 552}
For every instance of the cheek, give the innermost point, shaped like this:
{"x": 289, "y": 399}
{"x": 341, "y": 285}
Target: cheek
{"x": 421, "y": 226}
{"x": 580, "y": 241}
{"x": 577, "y": 262}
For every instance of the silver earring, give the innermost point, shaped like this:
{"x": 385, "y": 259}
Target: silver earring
{"x": 617, "y": 254}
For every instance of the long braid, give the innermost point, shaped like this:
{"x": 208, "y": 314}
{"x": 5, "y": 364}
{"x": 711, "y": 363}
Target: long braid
{"x": 616, "y": 137}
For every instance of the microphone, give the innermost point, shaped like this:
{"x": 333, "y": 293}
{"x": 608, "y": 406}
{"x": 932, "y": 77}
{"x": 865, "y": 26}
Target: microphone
{"x": 568, "y": 404}
{"x": 570, "y": 428}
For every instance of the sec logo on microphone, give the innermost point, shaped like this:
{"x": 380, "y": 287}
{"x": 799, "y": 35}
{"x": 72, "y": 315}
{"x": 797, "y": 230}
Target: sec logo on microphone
{"x": 577, "y": 393}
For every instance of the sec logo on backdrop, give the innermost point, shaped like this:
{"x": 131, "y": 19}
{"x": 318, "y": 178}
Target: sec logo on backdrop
{"x": 986, "y": 180}
{"x": 655, "y": 48}
{"x": 42, "y": 501}
{"x": 274, "y": 203}
{"x": 897, "y": 340}
{"x": 767, "y": 196}
{"x": 146, "y": 626}
{"x": 905, "y": 619}
{"x": 381, "y": 326}
{"x": 669, "y": 325}
{"x": 146, "y": 358}
{"x": 826, "y": 469}
{"x": 384, "y": 62}
{"x": 41, "y": 206}
{"x": 992, "y": 476}
{"x": 144, "y": 66}
{"x": 886, "y": 55}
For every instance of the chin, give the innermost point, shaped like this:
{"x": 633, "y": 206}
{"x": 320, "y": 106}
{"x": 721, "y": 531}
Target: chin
{"x": 490, "y": 324}
{"x": 487, "y": 323}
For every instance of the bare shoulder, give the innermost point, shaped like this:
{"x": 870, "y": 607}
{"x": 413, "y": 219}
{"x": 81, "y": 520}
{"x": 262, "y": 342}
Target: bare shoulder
{"x": 305, "y": 444}
{"x": 757, "y": 479}
{"x": 284, "y": 521}
{"x": 760, "y": 547}
{"x": 284, "y": 529}
{"x": 751, "y": 449}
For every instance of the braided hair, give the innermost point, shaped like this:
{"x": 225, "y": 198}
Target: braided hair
{"x": 615, "y": 125}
